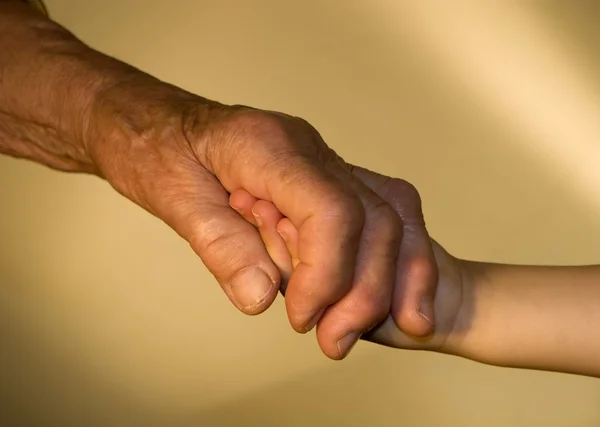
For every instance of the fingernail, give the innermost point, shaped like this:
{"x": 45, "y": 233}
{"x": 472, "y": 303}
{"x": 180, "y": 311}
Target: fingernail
{"x": 346, "y": 343}
{"x": 250, "y": 287}
{"x": 313, "y": 320}
{"x": 257, "y": 218}
{"x": 426, "y": 309}
{"x": 282, "y": 234}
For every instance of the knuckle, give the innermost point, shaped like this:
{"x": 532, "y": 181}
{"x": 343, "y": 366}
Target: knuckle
{"x": 375, "y": 306}
{"x": 407, "y": 201}
{"x": 253, "y": 126}
{"x": 236, "y": 132}
{"x": 368, "y": 303}
{"x": 275, "y": 141}
{"x": 263, "y": 125}
{"x": 290, "y": 168}
{"x": 388, "y": 221}
{"x": 346, "y": 210}
{"x": 407, "y": 189}
{"x": 304, "y": 123}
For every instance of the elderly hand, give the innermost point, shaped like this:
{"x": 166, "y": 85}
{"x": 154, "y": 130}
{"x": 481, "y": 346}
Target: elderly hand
{"x": 179, "y": 156}
{"x": 415, "y": 283}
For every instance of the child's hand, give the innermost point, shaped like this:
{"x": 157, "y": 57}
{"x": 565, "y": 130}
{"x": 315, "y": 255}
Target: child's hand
{"x": 281, "y": 240}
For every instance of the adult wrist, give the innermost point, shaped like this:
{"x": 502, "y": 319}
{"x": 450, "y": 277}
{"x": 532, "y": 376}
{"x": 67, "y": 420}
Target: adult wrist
{"x": 135, "y": 115}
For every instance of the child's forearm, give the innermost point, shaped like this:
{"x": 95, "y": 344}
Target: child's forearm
{"x": 545, "y": 318}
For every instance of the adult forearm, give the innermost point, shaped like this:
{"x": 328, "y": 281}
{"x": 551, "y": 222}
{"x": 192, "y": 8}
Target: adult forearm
{"x": 545, "y": 318}
{"x": 45, "y": 91}
{"x": 50, "y": 83}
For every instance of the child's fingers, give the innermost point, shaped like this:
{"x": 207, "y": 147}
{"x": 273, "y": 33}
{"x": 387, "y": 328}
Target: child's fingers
{"x": 289, "y": 233}
{"x": 267, "y": 217}
{"x": 242, "y": 202}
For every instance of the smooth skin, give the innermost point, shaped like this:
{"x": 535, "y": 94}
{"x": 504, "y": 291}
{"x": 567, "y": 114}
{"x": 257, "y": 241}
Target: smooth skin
{"x": 180, "y": 156}
{"x": 533, "y": 317}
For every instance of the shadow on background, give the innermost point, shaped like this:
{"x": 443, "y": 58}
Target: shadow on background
{"x": 41, "y": 382}
{"x": 380, "y": 391}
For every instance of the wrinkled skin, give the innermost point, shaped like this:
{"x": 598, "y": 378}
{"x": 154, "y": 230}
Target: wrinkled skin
{"x": 180, "y": 156}
{"x": 180, "y": 159}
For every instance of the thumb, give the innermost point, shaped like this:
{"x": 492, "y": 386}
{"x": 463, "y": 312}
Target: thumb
{"x": 416, "y": 276}
{"x": 231, "y": 248}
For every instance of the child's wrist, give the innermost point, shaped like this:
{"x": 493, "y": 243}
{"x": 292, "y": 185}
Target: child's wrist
{"x": 469, "y": 275}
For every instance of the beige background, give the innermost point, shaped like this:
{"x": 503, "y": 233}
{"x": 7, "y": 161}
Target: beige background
{"x": 108, "y": 319}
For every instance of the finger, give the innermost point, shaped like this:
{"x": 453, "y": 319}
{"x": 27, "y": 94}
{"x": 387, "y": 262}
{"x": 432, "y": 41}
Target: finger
{"x": 387, "y": 332}
{"x": 368, "y": 301}
{"x": 267, "y": 218}
{"x": 448, "y": 298}
{"x": 416, "y": 280}
{"x": 288, "y": 232}
{"x": 289, "y": 171}
{"x": 242, "y": 201}
{"x": 196, "y": 206}
{"x": 328, "y": 240}
{"x": 412, "y": 307}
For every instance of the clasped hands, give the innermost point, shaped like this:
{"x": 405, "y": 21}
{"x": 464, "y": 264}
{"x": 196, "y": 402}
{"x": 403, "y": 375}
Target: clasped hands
{"x": 357, "y": 262}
